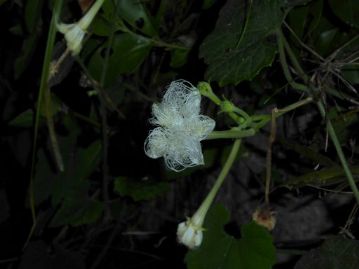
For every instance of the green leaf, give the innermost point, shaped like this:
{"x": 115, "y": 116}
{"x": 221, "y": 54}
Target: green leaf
{"x": 24, "y": 119}
{"x": 346, "y": 10}
{"x": 43, "y": 184}
{"x": 2, "y": 2}
{"x": 80, "y": 163}
{"x": 323, "y": 34}
{"x": 208, "y": 3}
{"x": 41, "y": 255}
{"x": 178, "y": 57}
{"x": 243, "y": 41}
{"x": 71, "y": 188}
{"x": 26, "y": 53}
{"x": 304, "y": 19}
{"x": 102, "y": 27}
{"x": 106, "y": 24}
{"x": 135, "y": 14}
{"x": 293, "y": 3}
{"x": 33, "y": 14}
{"x": 335, "y": 253}
{"x": 86, "y": 160}
{"x": 219, "y": 250}
{"x": 351, "y": 74}
{"x": 140, "y": 190}
{"x": 77, "y": 211}
{"x": 342, "y": 123}
{"x": 33, "y": 20}
{"x": 128, "y": 51}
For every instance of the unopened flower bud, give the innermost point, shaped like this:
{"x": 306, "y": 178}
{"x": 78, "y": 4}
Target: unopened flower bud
{"x": 190, "y": 234}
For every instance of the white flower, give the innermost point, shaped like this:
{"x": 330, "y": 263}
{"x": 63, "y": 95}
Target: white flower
{"x": 75, "y": 32}
{"x": 180, "y": 127}
{"x": 190, "y": 233}
{"x": 74, "y": 35}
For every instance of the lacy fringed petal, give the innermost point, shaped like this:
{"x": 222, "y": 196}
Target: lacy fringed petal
{"x": 181, "y": 127}
{"x": 156, "y": 144}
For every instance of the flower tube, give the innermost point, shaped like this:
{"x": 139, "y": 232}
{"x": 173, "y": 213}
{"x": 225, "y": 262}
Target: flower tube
{"x": 75, "y": 32}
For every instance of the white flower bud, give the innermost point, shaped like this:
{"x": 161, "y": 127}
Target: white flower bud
{"x": 190, "y": 234}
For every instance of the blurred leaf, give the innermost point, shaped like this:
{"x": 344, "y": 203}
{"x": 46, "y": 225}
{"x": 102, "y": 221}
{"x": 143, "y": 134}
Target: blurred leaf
{"x": 322, "y": 177}
{"x": 43, "y": 184}
{"x": 101, "y": 27}
{"x": 104, "y": 26}
{"x": 351, "y": 74}
{"x": 71, "y": 187}
{"x": 16, "y": 30}
{"x": 303, "y": 20}
{"x": 307, "y": 152}
{"x": 346, "y": 10}
{"x": 87, "y": 160}
{"x": 27, "y": 51}
{"x": 77, "y": 211}
{"x": 334, "y": 253}
{"x": 128, "y": 51}
{"x": 324, "y": 36}
{"x": 342, "y": 122}
{"x": 39, "y": 255}
{"x": 4, "y": 210}
{"x": 293, "y": 3}
{"x": 254, "y": 250}
{"x": 33, "y": 11}
{"x": 243, "y": 41}
{"x": 135, "y": 14}
{"x": 178, "y": 57}
{"x": 140, "y": 190}
{"x": 347, "y": 54}
{"x": 2, "y": 2}
{"x": 297, "y": 20}
{"x": 80, "y": 164}
{"x": 24, "y": 119}
{"x": 33, "y": 20}
{"x": 208, "y": 3}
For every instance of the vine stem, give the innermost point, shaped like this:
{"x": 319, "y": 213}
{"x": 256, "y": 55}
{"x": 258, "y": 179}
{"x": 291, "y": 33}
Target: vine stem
{"x": 228, "y": 134}
{"x": 103, "y": 112}
{"x": 42, "y": 94}
{"x": 269, "y": 155}
{"x": 282, "y": 46}
{"x": 202, "y": 210}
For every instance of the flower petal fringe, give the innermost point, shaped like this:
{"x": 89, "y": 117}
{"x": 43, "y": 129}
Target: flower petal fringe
{"x": 180, "y": 127}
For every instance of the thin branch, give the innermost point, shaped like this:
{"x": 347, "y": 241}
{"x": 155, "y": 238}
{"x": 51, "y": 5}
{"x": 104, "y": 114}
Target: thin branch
{"x": 269, "y": 155}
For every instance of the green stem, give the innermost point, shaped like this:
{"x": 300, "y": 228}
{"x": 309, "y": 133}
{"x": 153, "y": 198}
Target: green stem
{"x": 154, "y": 41}
{"x": 87, "y": 19}
{"x": 43, "y": 87}
{"x": 285, "y": 66}
{"x": 230, "y": 134}
{"x": 202, "y": 210}
{"x": 261, "y": 120}
{"x": 294, "y": 106}
{"x": 282, "y": 43}
{"x": 340, "y": 152}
